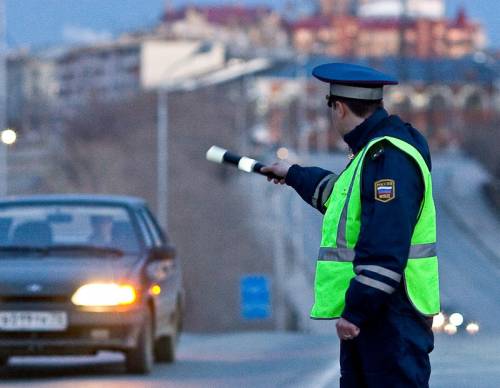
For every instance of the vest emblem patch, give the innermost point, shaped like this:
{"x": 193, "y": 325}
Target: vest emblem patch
{"x": 385, "y": 190}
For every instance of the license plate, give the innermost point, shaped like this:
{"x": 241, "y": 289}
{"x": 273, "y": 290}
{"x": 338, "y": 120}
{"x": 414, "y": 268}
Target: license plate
{"x": 33, "y": 321}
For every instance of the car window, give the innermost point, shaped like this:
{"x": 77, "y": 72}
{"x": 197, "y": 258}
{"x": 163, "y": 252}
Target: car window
{"x": 157, "y": 240}
{"x": 148, "y": 239}
{"x": 159, "y": 230}
{"x": 49, "y": 225}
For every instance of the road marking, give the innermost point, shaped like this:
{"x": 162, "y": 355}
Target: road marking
{"x": 325, "y": 378}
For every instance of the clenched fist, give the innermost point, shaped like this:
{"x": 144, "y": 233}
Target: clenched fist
{"x": 280, "y": 169}
{"x": 346, "y": 330}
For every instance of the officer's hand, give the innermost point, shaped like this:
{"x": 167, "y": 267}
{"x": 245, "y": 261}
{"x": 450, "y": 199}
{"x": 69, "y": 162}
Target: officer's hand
{"x": 280, "y": 169}
{"x": 346, "y": 330}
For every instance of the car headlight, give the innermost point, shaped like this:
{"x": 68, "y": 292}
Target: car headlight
{"x": 104, "y": 294}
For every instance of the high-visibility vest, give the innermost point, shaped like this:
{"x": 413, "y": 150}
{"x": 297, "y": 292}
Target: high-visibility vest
{"x": 341, "y": 227}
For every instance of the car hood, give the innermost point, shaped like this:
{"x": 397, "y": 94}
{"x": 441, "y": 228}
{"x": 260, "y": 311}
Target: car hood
{"x": 42, "y": 276}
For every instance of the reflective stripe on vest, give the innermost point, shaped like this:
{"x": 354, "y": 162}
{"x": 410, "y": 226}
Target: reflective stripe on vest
{"x": 419, "y": 251}
{"x": 341, "y": 226}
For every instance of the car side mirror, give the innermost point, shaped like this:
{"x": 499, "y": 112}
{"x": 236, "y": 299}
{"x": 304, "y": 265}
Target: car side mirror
{"x": 163, "y": 253}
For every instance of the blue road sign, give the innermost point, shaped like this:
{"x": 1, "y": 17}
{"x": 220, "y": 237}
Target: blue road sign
{"x": 255, "y": 297}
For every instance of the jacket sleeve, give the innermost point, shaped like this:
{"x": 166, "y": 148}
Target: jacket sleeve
{"x": 313, "y": 184}
{"x": 385, "y": 235}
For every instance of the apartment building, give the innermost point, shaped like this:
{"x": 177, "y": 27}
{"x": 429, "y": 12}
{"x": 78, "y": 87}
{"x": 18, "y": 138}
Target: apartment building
{"x": 31, "y": 89}
{"x": 122, "y": 68}
{"x": 377, "y": 37}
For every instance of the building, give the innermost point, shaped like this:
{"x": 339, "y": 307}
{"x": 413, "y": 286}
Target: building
{"x": 337, "y": 7}
{"x": 245, "y": 31}
{"x": 441, "y": 97}
{"x": 385, "y": 9}
{"x": 32, "y": 89}
{"x": 48, "y": 86}
{"x": 376, "y": 37}
{"x": 120, "y": 69}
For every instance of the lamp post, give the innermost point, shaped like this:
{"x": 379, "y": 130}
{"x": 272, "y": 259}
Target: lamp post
{"x": 305, "y": 130}
{"x": 162, "y": 118}
{"x": 162, "y": 133}
{"x": 3, "y": 169}
{"x": 162, "y": 152}
{"x": 7, "y": 137}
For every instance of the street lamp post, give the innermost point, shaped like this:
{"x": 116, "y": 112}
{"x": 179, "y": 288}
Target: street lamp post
{"x": 7, "y": 137}
{"x": 3, "y": 169}
{"x": 279, "y": 261}
{"x": 305, "y": 130}
{"x": 162, "y": 158}
{"x": 162, "y": 140}
{"x": 162, "y": 133}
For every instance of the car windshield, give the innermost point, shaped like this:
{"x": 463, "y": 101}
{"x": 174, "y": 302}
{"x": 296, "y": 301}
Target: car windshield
{"x": 51, "y": 227}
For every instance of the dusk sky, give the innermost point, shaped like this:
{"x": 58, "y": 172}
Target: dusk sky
{"x": 48, "y": 22}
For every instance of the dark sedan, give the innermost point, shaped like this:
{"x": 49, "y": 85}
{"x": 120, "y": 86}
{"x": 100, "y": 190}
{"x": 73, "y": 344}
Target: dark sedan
{"x": 84, "y": 273}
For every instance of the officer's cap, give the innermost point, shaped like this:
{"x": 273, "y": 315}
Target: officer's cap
{"x": 353, "y": 81}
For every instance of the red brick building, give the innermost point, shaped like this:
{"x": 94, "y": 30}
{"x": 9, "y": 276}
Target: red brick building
{"x": 243, "y": 29}
{"x": 350, "y": 36}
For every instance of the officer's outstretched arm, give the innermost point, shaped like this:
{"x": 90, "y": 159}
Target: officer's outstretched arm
{"x": 313, "y": 184}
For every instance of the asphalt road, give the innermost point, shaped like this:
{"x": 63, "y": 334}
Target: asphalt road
{"x": 253, "y": 360}
{"x": 469, "y": 268}
{"x": 226, "y": 360}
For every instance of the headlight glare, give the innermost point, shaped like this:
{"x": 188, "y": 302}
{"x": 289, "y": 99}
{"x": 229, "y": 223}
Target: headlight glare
{"x": 456, "y": 319}
{"x": 104, "y": 294}
{"x": 472, "y": 328}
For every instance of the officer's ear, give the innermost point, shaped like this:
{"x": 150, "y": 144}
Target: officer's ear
{"x": 340, "y": 109}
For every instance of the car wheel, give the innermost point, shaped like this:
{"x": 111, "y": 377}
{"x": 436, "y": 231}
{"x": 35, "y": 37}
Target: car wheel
{"x": 165, "y": 346}
{"x": 140, "y": 359}
{"x": 165, "y": 349}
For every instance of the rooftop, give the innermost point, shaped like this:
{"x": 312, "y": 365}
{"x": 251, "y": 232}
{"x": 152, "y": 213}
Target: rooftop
{"x": 311, "y": 23}
{"x": 223, "y": 14}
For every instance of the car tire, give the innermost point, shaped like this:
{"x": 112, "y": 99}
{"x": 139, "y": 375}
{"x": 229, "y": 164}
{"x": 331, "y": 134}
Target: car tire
{"x": 165, "y": 346}
{"x": 165, "y": 349}
{"x": 140, "y": 359}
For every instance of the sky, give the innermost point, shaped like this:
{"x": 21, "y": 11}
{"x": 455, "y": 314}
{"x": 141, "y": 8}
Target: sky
{"x": 39, "y": 23}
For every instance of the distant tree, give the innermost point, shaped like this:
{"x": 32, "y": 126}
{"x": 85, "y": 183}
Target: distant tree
{"x": 109, "y": 146}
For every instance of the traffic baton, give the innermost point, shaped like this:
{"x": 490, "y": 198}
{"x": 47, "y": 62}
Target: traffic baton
{"x": 220, "y": 155}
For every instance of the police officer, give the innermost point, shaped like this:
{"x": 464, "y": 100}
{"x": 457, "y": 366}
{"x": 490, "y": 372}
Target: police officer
{"x": 377, "y": 268}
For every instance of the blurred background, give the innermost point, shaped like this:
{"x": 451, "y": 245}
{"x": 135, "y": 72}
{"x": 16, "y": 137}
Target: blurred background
{"x": 125, "y": 97}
